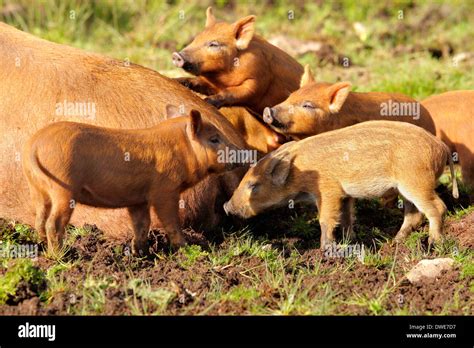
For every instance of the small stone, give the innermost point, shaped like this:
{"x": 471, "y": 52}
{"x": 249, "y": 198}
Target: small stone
{"x": 429, "y": 269}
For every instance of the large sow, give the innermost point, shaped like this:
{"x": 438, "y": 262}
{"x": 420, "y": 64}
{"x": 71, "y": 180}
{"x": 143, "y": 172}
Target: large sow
{"x": 43, "y": 82}
{"x": 453, "y": 113}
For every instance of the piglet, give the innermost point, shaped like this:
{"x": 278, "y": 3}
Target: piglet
{"x": 67, "y": 163}
{"x": 362, "y": 161}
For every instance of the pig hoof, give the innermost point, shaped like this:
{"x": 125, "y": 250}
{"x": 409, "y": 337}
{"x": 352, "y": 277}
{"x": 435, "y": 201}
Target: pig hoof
{"x": 43, "y": 239}
{"x": 139, "y": 252}
{"x": 140, "y": 249}
{"x": 434, "y": 240}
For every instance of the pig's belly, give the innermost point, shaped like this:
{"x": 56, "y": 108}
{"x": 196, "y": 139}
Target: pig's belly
{"x": 370, "y": 188}
{"x": 113, "y": 198}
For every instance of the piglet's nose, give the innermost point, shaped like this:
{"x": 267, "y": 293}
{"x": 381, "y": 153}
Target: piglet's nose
{"x": 268, "y": 115}
{"x": 177, "y": 60}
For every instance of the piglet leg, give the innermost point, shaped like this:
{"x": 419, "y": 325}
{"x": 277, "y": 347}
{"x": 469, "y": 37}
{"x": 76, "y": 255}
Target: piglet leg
{"x": 197, "y": 84}
{"x": 329, "y": 211}
{"x": 140, "y": 215}
{"x": 237, "y": 95}
{"x": 61, "y": 210}
{"x": 412, "y": 219}
{"x": 347, "y": 218}
{"x": 167, "y": 211}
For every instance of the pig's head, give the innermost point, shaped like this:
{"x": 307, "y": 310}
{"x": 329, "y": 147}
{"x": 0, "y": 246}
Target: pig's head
{"x": 215, "y": 48}
{"x": 310, "y": 110}
{"x": 209, "y": 144}
{"x": 271, "y": 183}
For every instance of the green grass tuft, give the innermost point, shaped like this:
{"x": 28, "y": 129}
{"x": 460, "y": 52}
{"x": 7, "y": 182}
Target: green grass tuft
{"x": 20, "y": 271}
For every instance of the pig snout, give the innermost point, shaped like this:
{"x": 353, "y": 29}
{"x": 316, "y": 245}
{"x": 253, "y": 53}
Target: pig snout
{"x": 178, "y": 60}
{"x": 183, "y": 60}
{"x": 231, "y": 210}
{"x": 240, "y": 211}
{"x": 270, "y": 118}
{"x": 268, "y": 115}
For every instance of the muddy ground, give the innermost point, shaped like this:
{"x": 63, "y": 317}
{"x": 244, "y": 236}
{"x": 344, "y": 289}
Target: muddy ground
{"x": 277, "y": 270}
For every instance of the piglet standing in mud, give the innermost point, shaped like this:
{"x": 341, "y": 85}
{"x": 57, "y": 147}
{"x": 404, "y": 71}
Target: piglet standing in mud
{"x": 362, "y": 161}
{"x": 67, "y": 163}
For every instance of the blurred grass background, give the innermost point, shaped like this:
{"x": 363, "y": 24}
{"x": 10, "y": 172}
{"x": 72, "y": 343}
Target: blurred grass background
{"x": 414, "y": 47}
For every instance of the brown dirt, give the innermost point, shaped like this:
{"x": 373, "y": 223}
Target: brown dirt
{"x": 463, "y": 230}
{"x": 191, "y": 283}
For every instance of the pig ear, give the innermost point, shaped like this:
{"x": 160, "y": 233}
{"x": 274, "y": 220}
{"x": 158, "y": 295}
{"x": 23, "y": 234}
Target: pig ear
{"x": 172, "y": 111}
{"x": 337, "y": 95}
{"x": 307, "y": 77}
{"x": 195, "y": 122}
{"x": 244, "y": 30}
{"x": 279, "y": 169}
{"x": 210, "y": 19}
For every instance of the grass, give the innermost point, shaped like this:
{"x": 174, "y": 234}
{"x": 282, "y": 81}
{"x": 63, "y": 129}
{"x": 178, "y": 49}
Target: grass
{"x": 270, "y": 280}
{"x": 93, "y": 295}
{"x": 16, "y": 232}
{"x": 72, "y": 234}
{"x": 56, "y": 281}
{"x": 376, "y": 260}
{"x": 21, "y": 271}
{"x": 240, "y": 293}
{"x": 144, "y": 298}
{"x": 189, "y": 255}
{"x": 459, "y": 212}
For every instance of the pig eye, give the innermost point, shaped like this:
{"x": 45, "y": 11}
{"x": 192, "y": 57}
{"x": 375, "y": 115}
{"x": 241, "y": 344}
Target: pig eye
{"x": 215, "y": 139}
{"x": 308, "y": 105}
{"x": 213, "y": 44}
{"x": 252, "y": 186}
